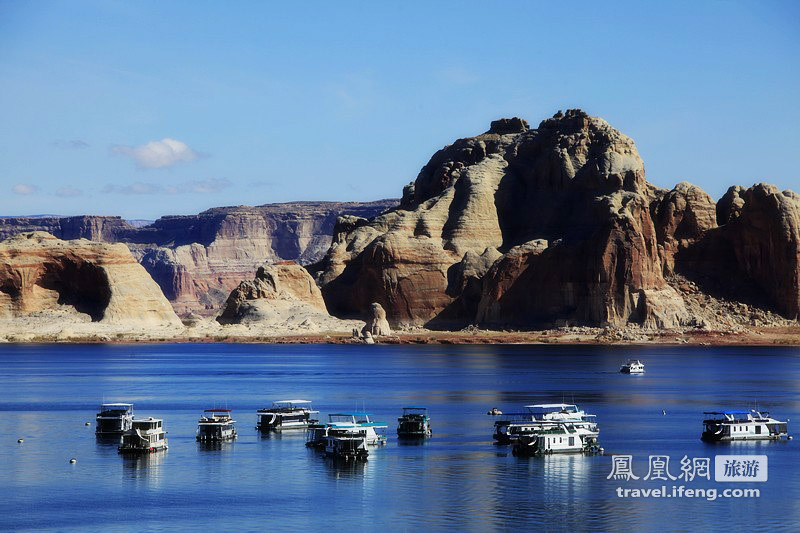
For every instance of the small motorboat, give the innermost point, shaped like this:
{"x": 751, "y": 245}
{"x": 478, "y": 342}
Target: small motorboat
{"x": 414, "y": 424}
{"x": 633, "y": 366}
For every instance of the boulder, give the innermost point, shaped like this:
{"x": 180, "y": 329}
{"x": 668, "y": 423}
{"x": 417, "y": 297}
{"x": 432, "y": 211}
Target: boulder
{"x": 376, "y": 322}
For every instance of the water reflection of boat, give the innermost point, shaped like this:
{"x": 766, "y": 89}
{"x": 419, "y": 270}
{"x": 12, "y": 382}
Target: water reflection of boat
{"x": 742, "y": 425}
{"x": 146, "y": 435}
{"x": 216, "y": 425}
{"x": 114, "y": 419}
{"x": 414, "y": 424}
{"x": 286, "y": 414}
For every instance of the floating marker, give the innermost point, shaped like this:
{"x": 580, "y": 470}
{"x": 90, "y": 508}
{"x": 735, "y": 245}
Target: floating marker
{"x": 20, "y": 441}
{"x": 73, "y": 461}
{"x": 87, "y": 424}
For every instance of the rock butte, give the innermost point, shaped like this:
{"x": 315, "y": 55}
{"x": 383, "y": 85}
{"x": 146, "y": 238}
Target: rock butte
{"x": 40, "y": 273}
{"x": 556, "y": 226}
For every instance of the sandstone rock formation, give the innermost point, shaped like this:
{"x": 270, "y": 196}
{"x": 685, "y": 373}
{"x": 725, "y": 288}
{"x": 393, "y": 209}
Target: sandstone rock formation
{"x": 278, "y": 290}
{"x": 40, "y": 273}
{"x": 376, "y": 322}
{"x": 197, "y": 260}
{"x": 566, "y": 205}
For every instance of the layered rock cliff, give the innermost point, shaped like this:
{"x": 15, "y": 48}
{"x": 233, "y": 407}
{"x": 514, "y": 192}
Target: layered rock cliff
{"x": 565, "y": 207}
{"x": 557, "y": 225}
{"x": 197, "y": 260}
{"x": 40, "y": 273}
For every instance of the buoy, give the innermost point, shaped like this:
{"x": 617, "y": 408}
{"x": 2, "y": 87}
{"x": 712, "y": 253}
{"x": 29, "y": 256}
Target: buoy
{"x": 73, "y": 461}
{"x": 20, "y": 441}
{"x": 789, "y": 437}
{"x": 87, "y": 424}
{"x": 664, "y": 412}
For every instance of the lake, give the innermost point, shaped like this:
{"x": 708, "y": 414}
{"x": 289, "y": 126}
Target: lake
{"x": 458, "y": 479}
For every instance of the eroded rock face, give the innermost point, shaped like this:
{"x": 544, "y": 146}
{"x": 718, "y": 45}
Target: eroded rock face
{"x": 39, "y": 272}
{"x": 274, "y": 286}
{"x": 682, "y": 217}
{"x": 765, "y": 238}
{"x": 566, "y": 205}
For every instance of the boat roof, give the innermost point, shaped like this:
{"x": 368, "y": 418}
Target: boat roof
{"x": 116, "y": 405}
{"x": 418, "y": 408}
{"x": 217, "y": 411}
{"x": 727, "y": 412}
{"x": 559, "y": 406}
{"x": 350, "y": 414}
{"x": 292, "y": 401}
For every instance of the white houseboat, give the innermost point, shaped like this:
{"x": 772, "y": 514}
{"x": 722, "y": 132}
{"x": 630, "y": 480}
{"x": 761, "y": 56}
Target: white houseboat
{"x": 633, "y": 366}
{"x": 346, "y": 444}
{"x": 114, "y": 418}
{"x": 145, "y": 435}
{"x": 742, "y": 425}
{"x": 414, "y": 424}
{"x": 374, "y": 432}
{"x": 286, "y": 414}
{"x": 216, "y": 425}
{"x": 508, "y": 430}
{"x": 558, "y": 437}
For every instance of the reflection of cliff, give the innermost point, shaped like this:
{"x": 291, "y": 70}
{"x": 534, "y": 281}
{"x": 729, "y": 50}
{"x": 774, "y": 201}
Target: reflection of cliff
{"x": 197, "y": 260}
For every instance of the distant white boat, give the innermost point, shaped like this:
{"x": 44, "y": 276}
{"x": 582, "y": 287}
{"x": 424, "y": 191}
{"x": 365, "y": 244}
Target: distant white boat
{"x": 633, "y": 366}
{"x": 373, "y": 432}
{"x": 346, "y": 444}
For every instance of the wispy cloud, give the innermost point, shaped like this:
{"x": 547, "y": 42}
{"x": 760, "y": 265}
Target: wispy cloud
{"x": 208, "y": 186}
{"x": 68, "y": 192}
{"x": 24, "y": 189}
{"x": 71, "y": 144}
{"x": 158, "y": 154}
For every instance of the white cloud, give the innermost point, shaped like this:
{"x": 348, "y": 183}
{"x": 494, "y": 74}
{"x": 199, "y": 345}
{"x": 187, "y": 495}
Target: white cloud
{"x": 190, "y": 187}
{"x": 158, "y": 154}
{"x": 68, "y": 192}
{"x": 24, "y": 189}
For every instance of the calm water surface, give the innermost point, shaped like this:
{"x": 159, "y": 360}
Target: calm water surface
{"x": 457, "y": 479}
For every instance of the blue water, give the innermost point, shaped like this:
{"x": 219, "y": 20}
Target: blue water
{"x": 458, "y": 479}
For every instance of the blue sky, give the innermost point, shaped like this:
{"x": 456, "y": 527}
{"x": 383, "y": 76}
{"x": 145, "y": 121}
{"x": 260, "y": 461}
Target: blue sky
{"x": 143, "y": 108}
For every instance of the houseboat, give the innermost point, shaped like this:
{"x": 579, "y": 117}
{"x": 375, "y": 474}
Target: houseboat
{"x": 509, "y": 428}
{"x": 346, "y": 444}
{"x": 414, "y": 424}
{"x": 558, "y": 437}
{"x": 742, "y": 425}
{"x": 216, "y": 425}
{"x": 145, "y": 435}
{"x": 114, "y": 418}
{"x": 374, "y": 432}
{"x": 633, "y": 366}
{"x": 286, "y": 414}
